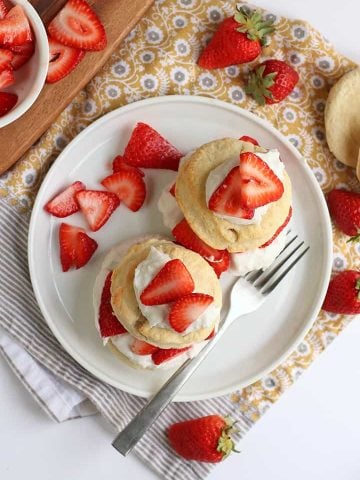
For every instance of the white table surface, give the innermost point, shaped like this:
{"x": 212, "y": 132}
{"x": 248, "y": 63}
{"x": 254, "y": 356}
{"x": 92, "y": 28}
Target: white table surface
{"x": 312, "y": 432}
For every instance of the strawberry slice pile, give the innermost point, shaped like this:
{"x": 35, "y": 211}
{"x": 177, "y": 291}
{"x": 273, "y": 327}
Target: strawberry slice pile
{"x": 76, "y": 247}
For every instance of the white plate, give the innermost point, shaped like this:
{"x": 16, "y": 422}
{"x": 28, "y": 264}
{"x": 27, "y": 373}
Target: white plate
{"x": 257, "y": 342}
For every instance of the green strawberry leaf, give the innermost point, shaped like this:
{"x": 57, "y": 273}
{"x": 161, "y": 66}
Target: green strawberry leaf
{"x": 252, "y": 24}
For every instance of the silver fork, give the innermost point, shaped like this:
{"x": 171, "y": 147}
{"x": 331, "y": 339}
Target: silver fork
{"x": 247, "y": 295}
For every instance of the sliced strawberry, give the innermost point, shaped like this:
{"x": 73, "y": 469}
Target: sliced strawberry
{"x": 259, "y": 184}
{"x": 22, "y": 54}
{"x": 64, "y": 203}
{"x": 142, "y": 348}
{"x": 163, "y": 355}
{"x": 172, "y": 189}
{"x": 76, "y": 248}
{"x": 15, "y": 28}
{"x": 3, "y": 9}
{"x": 6, "y": 78}
{"x": 186, "y": 237}
{"x": 6, "y": 57}
{"x": 7, "y": 102}
{"x": 188, "y": 309}
{"x": 279, "y": 230}
{"x": 212, "y": 334}
{"x": 108, "y": 323}
{"x": 62, "y": 60}
{"x": 172, "y": 282}
{"x": 227, "y": 198}
{"x": 148, "y": 149}
{"x": 120, "y": 164}
{"x": 97, "y": 206}
{"x": 221, "y": 266}
{"x": 246, "y": 138}
{"x": 78, "y": 26}
{"x": 129, "y": 186}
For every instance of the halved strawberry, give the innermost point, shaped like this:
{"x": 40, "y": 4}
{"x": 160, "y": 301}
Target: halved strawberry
{"x": 188, "y": 309}
{"x": 142, "y": 348}
{"x": 7, "y": 102}
{"x": 259, "y": 184}
{"x": 64, "y": 203}
{"x": 15, "y": 28}
{"x": 109, "y": 324}
{"x": 6, "y": 78}
{"x": 212, "y": 334}
{"x": 148, "y": 149}
{"x": 97, "y": 206}
{"x": 78, "y": 26}
{"x": 227, "y": 198}
{"x": 170, "y": 283}
{"x": 186, "y": 237}
{"x": 129, "y": 186}
{"x": 246, "y": 138}
{"x": 221, "y": 266}
{"x": 6, "y": 57}
{"x": 279, "y": 230}
{"x": 3, "y": 9}
{"x": 62, "y": 60}
{"x": 172, "y": 189}
{"x": 120, "y": 164}
{"x": 76, "y": 247}
{"x": 22, "y": 54}
{"x": 163, "y": 355}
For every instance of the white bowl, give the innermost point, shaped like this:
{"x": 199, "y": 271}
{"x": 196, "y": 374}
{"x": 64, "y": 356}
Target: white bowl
{"x": 30, "y": 78}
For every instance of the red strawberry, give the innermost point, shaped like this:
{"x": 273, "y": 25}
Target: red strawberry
{"x": 142, "y": 348}
{"x": 187, "y": 309}
{"x": 120, "y": 164}
{"x": 62, "y": 60}
{"x": 186, "y": 237}
{"x": 212, "y": 334}
{"x": 246, "y": 138}
{"x": 205, "y": 439}
{"x": 343, "y": 295}
{"x": 3, "y": 9}
{"x": 97, "y": 206}
{"x": 148, "y": 149}
{"x": 78, "y": 26}
{"x": 221, "y": 266}
{"x": 344, "y": 208}
{"x": 15, "y": 28}
{"x": 76, "y": 248}
{"x": 7, "y": 102}
{"x": 64, "y": 203}
{"x": 22, "y": 54}
{"x": 279, "y": 230}
{"x": 272, "y": 81}
{"x": 172, "y": 282}
{"x": 163, "y": 355}
{"x": 129, "y": 186}
{"x": 6, "y": 78}
{"x": 238, "y": 40}
{"x": 108, "y": 323}
{"x": 6, "y": 57}
{"x": 172, "y": 189}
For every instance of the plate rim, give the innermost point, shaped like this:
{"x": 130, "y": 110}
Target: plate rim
{"x": 328, "y": 244}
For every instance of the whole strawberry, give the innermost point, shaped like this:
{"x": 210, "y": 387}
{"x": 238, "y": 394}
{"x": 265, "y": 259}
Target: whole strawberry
{"x": 271, "y": 82}
{"x": 344, "y": 208}
{"x": 238, "y": 40}
{"x": 205, "y": 439}
{"x": 343, "y": 293}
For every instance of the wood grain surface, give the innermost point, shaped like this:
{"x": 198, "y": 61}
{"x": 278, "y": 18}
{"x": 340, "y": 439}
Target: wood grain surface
{"x": 118, "y": 17}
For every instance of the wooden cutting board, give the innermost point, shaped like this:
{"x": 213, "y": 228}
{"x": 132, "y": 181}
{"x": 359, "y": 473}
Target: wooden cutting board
{"x": 118, "y": 17}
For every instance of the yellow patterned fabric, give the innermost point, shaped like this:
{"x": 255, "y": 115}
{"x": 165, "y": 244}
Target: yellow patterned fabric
{"x": 159, "y": 58}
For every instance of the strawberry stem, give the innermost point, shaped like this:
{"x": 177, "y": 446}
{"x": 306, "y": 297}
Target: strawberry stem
{"x": 258, "y": 85}
{"x": 225, "y": 443}
{"x": 252, "y": 24}
{"x": 357, "y": 287}
{"x": 355, "y": 238}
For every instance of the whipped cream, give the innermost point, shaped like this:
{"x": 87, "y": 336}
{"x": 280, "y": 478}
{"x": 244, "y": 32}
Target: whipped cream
{"x": 218, "y": 175}
{"x": 169, "y": 208}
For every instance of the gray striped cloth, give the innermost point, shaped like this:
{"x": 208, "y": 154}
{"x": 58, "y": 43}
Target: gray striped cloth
{"x": 62, "y": 387}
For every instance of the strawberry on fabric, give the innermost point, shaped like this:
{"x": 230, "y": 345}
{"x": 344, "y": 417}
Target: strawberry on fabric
{"x": 15, "y": 28}
{"x": 62, "y": 60}
{"x": 22, "y": 54}
{"x": 78, "y": 26}
{"x": 108, "y": 323}
{"x": 76, "y": 247}
{"x": 271, "y": 82}
{"x": 148, "y": 149}
{"x": 139, "y": 347}
{"x": 188, "y": 309}
{"x": 6, "y": 57}
{"x": 246, "y": 138}
{"x": 170, "y": 283}
{"x": 120, "y": 164}
{"x": 221, "y": 266}
{"x": 163, "y": 355}
{"x": 3, "y": 9}
{"x": 239, "y": 39}
{"x": 343, "y": 294}
{"x": 205, "y": 439}
{"x": 129, "y": 186}
{"x": 344, "y": 208}
{"x": 64, "y": 203}
{"x": 97, "y": 206}
{"x": 6, "y": 78}
{"x": 7, "y": 102}
{"x": 279, "y": 230}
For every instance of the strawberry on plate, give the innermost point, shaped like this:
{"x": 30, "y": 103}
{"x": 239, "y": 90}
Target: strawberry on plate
{"x": 3, "y": 9}
{"x": 108, "y": 323}
{"x": 172, "y": 189}
{"x": 15, "y": 28}
{"x": 344, "y": 208}
{"x": 6, "y": 57}
{"x": 6, "y": 78}
{"x": 76, "y": 247}
{"x": 279, "y": 230}
{"x": 239, "y": 39}
{"x": 97, "y": 206}
{"x": 222, "y": 265}
{"x": 187, "y": 309}
{"x": 22, "y": 54}
{"x": 148, "y": 149}
{"x": 129, "y": 186}
{"x": 120, "y": 164}
{"x": 343, "y": 294}
{"x": 7, "y": 102}
{"x": 64, "y": 203}
{"x": 139, "y": 347}
{"x": 170, "y": 283}
{"x": 246, "y": 138}
{"x": 62, "y": 60}
{"x": 78, "y": 26}
{"x": 163, "y": 355}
